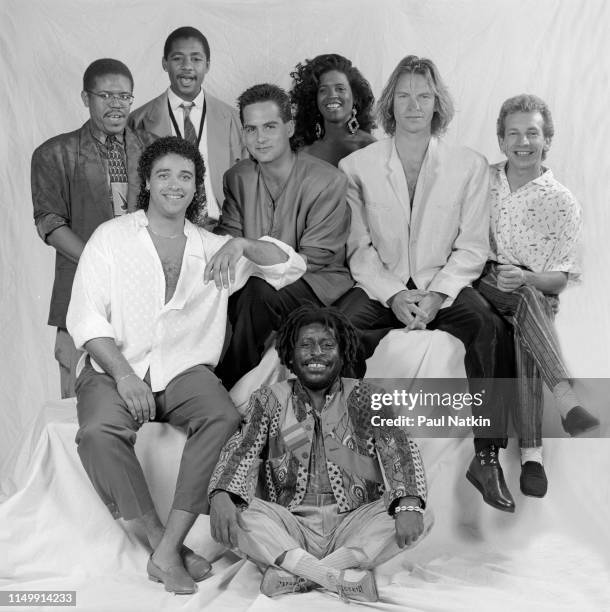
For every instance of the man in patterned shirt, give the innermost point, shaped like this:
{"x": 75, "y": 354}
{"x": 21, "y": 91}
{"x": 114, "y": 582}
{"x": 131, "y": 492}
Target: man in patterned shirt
{"x": 535, "y": 231}
{"x": 339, "y": 495}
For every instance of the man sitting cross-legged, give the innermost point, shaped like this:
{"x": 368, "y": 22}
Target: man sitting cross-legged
{"x": 152, "y": 325}
{"x": 340, "y": 496}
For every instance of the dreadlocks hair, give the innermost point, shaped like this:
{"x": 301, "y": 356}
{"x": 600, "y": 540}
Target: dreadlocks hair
{"x": 332, "y": 319}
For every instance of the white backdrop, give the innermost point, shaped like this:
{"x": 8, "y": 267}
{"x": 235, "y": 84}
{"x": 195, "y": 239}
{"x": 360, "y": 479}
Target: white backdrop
{"x": 486, "y": 49}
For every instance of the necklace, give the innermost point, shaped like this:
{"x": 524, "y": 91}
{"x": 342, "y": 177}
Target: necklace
{"x": 150, "y": 229}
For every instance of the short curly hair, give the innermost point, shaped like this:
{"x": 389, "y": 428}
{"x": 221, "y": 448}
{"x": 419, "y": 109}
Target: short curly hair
{"x": 443, "y": 108}
{"x": 331, "y": 319}
{"x": 526, "y": 103}
{"x": 305, "y": 82}
{"x": 164, "y": 146}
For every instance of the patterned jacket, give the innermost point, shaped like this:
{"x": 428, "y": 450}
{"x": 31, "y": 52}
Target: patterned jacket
{"x": 363, "y": 462}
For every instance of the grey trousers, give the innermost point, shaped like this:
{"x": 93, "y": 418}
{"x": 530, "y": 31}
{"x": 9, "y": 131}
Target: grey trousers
{"x": 195, "y": 401}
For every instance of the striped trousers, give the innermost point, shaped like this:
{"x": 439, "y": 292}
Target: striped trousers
{"x": 537, "y": 351}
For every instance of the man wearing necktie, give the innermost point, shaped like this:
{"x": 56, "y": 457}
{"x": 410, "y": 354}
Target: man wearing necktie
{"x": 80, "y": 180}
{"x": 186, "y": 111}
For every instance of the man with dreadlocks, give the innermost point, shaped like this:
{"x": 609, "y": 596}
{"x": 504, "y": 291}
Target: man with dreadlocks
{"x": 339, "y": 496}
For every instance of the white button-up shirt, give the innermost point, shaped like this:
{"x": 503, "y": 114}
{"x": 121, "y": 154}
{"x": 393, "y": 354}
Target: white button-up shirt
{"x": 195, "y": 117}
{"x": 119, "y": 293}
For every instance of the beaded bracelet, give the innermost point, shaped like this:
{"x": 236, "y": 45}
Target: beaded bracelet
{"x": 407, "y": 509}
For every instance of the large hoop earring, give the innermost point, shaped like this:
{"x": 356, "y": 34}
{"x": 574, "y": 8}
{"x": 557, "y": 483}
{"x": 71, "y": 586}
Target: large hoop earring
{"x": 318, "y": 130}
{"x": 352, "y": 124}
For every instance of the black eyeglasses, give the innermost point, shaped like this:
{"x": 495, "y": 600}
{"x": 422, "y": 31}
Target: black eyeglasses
{"x": 123, "y": 98}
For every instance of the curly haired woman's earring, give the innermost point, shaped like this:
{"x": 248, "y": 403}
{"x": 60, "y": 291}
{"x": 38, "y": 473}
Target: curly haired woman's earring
{"x": 352, "y": 124}
{"x": 318, "y": 130}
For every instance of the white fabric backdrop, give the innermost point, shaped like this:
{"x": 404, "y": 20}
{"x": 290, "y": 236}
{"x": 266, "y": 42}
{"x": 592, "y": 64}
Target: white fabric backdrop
{"x": 487, "y": 51}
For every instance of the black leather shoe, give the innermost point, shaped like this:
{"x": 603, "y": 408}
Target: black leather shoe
{"x": 579, "y": 421}
{"x": 485, "y": 473}
{"x": 533, "y": 479}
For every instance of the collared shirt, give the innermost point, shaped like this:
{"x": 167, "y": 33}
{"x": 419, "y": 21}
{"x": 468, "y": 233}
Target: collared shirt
{"x": 119, "y": 292}
{"x": 117, "y": 189}
{"x": 102, "y": 137}
{"x": 195, "y": 116}
{"x": 538, "y": 226}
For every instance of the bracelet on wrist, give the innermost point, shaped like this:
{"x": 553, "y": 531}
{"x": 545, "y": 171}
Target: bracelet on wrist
{"x": 408, "y": 509}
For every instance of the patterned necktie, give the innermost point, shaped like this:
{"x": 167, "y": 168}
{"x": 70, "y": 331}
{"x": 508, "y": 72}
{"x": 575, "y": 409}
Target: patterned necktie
{"x": 190, "y": 134}
{"x": 116, "y": 163}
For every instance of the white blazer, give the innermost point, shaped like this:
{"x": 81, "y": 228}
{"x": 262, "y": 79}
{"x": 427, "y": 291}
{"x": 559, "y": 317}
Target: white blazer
{"x": 442, "y": 244}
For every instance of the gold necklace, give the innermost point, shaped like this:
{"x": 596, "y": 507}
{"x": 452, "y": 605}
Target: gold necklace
{"x": 150, "y": 229}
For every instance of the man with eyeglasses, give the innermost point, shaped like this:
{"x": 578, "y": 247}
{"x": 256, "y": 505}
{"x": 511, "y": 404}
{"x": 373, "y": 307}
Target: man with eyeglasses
{"x": 186, "y": 111}
{"x": 81, "y": 179}
{"x": 342, "y": 490}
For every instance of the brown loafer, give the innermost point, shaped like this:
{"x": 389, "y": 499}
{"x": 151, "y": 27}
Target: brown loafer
{"x": 197, "y": 566}
{"x": 176, "y": 579}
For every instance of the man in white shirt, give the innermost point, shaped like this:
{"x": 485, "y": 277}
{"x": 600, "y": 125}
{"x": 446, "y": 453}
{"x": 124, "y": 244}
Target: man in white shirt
{"x": 185, "y": 110}
{"x": 152, "y": 323}
{"x": 419, "y": 237}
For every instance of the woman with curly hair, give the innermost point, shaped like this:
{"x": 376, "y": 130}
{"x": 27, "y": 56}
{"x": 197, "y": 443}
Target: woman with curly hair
{"x": 333, "y": 107}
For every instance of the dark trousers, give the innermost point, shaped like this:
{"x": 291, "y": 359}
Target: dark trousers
{"x": 194, "y": 401}
{"x": 487, "y": 339}
{"x": 254, "y": 312}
